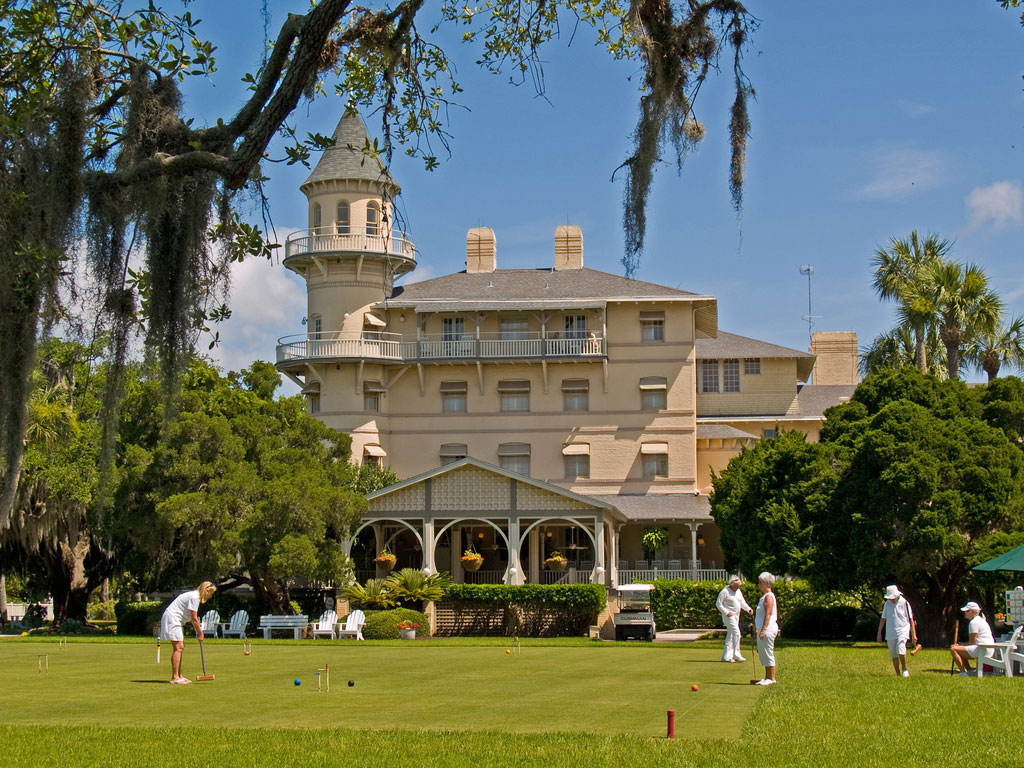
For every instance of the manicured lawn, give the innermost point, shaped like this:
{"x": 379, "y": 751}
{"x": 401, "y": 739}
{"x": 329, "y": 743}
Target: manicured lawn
{"x": 467, "y": 703}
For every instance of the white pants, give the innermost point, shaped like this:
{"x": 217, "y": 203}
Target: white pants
{"x": 766, "y": 647}
{"x": 732, "y": 637}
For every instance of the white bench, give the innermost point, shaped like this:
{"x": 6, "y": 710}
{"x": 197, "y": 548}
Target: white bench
{"x": 294, "y": 623}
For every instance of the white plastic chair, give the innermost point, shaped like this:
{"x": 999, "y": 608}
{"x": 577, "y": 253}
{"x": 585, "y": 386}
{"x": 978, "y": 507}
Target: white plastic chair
{"x": 209, "y": 622}
{"x": 326, "y": 625}
{"x": 1002, "y": 655}
{"x": 239, "y": 621}
{"x": 353, "y": 626}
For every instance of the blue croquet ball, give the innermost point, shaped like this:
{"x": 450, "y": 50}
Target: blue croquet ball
{"x": 297, "y": 681}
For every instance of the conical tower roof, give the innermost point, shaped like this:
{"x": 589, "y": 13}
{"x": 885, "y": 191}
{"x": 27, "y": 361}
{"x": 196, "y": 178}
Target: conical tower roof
{"x": 346, "y": 160}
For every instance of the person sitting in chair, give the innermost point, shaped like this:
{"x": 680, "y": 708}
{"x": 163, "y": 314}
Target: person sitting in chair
{"x": 978, "y": 632}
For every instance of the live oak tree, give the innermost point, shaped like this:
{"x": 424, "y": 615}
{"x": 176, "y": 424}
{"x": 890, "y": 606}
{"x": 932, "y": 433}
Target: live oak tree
{"x": 96, "y": 148}
{"x": 908, "y": 484}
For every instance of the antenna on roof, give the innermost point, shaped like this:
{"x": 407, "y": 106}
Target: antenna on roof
{"x": 807, "y": 269}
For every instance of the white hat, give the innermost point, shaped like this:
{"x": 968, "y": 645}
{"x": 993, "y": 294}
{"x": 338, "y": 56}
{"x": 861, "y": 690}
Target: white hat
{"x": 892, "y": 592}
{"x": 972, "y": 606}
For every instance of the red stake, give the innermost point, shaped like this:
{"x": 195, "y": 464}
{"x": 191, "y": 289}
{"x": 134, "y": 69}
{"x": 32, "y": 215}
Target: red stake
{"x": 671, "y": 723}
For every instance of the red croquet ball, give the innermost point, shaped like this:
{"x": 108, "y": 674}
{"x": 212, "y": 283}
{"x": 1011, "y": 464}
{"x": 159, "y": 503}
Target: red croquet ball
{"x": 694, "y": 687}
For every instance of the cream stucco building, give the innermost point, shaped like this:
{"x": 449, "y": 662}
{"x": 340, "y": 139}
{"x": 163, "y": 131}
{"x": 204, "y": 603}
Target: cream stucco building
{"x": 530, "y": 409}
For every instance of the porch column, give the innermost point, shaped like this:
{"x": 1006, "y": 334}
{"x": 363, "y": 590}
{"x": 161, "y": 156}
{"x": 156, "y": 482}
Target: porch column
{"x": 535, "y": 556}
{"x": 514, "y": 543}
{"x": 599, "y": 576}
{"x": 346, "y": 547}
{"x": 457, "y": 554}
{"x": 378, "y": 544}
{"x": 428, "y": 545}
{"x": 693, "y": 550}
{"x": 614, "y": 557}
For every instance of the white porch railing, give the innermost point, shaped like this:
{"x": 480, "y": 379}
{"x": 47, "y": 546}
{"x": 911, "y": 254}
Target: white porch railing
{"x": 374, "y": 345}
{"x": 483, "y": 577}
{"x": 372, "y": 240}
{"x": 633, "y": 576}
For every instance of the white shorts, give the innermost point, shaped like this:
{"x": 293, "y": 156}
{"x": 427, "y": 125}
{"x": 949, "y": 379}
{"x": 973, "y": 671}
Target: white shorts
{"x": 171, "y": 631}
{"x": 766, "y": 648}
{"x": 897, "y": 646}
{"x": 972, "y": 651}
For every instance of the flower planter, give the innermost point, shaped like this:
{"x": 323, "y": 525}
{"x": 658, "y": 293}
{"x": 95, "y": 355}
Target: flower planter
{"x": 408, "y": 634}
{"x": 472, "y": 564}
{"x": 555, "y": 565}
{"x": 386, "y": 563}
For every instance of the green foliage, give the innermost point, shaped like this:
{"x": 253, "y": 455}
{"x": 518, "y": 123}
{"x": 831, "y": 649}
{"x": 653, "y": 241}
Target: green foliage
{"x": 136, "y": 618}
{"x": 383, "y": 625}
{"x": 532, "y": 610}
{"x": 1003, "y": 403}
{"x": 71, "y": 627}
{"x": 412, "y": 587}
{"x": 653, "y": 538}
{"x": 837, "y": 622}
{"x": 101, "y": 610}
{"x": 375, "y": 593}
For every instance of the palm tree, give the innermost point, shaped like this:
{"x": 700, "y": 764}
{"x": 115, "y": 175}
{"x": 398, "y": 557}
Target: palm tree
{"x": 1003, "y": 346}
{"x": 899, "y": 276}
{"x": 412, "y": 587}
{"x": 963, "y": 307}
{"x": 374, "y": 594}
{"x": 896, "y": 349}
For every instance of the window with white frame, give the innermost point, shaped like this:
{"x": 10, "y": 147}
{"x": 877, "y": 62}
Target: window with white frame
{"x": 343, "y": 219}
{"x": 730, "y": 375}
{"x": 372, "y": 391}
{"x": 453, "y": 396}
{"x": 708, "y": 375}
{"x": 317, "y": 215}
{"x": 313, "y": 400}
{"x": 515, "y": 394}
{"x": 652, "y": 326}
{"x": 575, "y": 326}
{"x": 576, "y": 394}
{"x": 373, "y": 454}
{"x": 655, "y": 460}
{"x": 513, "y": 328}
{"x": 751, "y": 366}
{"x": 372, "y": 218}
{"x": 316, "y": 327}
{"x": 515, "y": 457}
{"x": 576, "y": 459}
{"x": 452, "y": 452}
{"x": 453, "y": 328}
{"x": 653, "y": 393}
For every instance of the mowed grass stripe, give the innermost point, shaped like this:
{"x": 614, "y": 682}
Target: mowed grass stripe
{"x": 545, "y": 689}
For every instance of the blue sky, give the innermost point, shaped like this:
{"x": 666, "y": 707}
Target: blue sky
{"x": 872, "y": 119}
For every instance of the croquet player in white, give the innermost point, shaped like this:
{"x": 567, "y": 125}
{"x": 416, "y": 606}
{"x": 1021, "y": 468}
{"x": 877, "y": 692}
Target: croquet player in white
{"x": 898, "y": 624}
{"x": 730, "y": 602}
{"x": 766, "y": 620}
{"x": 978, "y": 631}
{"x": 183, "y": 608}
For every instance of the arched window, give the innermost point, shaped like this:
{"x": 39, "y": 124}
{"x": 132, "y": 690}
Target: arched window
{"x": 316, "y": 215}
{"x": 342, "y": 222}
{"x": 372, "y": 218}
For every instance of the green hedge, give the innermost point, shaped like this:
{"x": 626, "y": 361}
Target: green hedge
{"x": 383, "y": 625}
{"x": 533, "y": 610}
{"x": 135, "y": 618}
{"x": 682, "y": 603}
{"x": 834, "y": 622}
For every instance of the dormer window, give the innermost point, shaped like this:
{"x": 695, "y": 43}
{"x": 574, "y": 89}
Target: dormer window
{"x": 372, "y": 218}
{"x": 343, "y": 221}
{"x": 316, "y": 215}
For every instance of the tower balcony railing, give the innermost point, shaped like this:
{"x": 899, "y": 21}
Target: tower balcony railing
{"x": 379, "y": 345}
{"x": 349, "y": 239}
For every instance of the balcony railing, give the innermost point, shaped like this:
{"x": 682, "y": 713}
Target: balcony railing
{"x": 392, "y": 346}
{"x": 330, "y": 240}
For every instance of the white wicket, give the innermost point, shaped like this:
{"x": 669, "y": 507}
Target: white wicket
{"x": 326, "y": 677}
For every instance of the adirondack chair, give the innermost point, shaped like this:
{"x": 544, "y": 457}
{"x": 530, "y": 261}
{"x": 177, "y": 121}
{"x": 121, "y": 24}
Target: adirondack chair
{"x": 209, "y": 622}
{"x": 1002, "y": 655}
{"x": 326, "y": 625}
{"x": 353, "y": 626}
{"x": 239, "y": 621}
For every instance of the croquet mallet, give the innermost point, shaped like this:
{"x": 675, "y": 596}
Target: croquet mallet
{"x": 202, "y": 656}
{"x": 753, "y": 654}
{"x": 956, "y": 636}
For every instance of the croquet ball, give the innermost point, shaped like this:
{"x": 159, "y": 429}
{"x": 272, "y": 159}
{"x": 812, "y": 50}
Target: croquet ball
{"x": 248, "y": 652}
{"x": 24, "y": 634}
{"x": 694, "y": 687}
{"x": 297, "y": 681}
{"x": 351, "y": 683}
{"x": 508, "y": 650}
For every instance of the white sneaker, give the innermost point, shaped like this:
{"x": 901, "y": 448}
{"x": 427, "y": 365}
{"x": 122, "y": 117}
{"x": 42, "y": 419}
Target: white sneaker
{"x": 906, "y": 673}
{"x": 728, "y": 661}
{"x": 766, "y": 681}
{"x": 739, "y": 658}
{"x": 968, "y": 674}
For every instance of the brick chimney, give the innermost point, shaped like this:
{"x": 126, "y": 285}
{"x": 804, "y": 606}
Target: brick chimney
{"x": 481, "y": 250}
{"x": 837, "y": 357}
{"x": 568, "y": 247}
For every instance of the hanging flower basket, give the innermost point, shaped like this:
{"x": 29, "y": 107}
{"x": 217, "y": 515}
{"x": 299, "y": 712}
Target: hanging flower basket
{"x": 555, "y": 562}
{"x": 385, "y": 560}
{"x": 472, "y": 561}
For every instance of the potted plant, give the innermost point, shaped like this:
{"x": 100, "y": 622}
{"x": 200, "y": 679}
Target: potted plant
{"x": 471, "y": 560}
{"x": 653, "y": 539}
{"x": 385, "y": 559}
{"x": 407, "y": 630}
{"x": 556, "y": 561}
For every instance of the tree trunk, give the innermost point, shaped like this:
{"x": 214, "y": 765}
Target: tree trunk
{"x": 272, "y": 594}
{"x": 936, "y": 608}
{"x": 3, "y": 599}
{"x": 920, "y": 350}
{"x": 69, "y": 583}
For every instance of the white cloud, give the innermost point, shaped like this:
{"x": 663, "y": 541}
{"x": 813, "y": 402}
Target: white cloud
{"x": 1000, "y": 203}
{"x": 267, "y": 301}
{"x": 914, "y": 108}
{"x": 898, "y": 172}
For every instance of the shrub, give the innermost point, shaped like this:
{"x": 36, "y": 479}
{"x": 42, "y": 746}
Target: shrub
{"x": 71, "y": 627}
{"x": 383, "y": 625}
{"x": 533, "y": 610}
{"x": 136, "y": 618}
{"x": 814, "y": 622}
{"x": 101, "y": 610}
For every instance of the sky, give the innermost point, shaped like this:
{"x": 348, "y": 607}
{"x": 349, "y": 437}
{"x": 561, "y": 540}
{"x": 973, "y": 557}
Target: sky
{"x": 871, "y": 119}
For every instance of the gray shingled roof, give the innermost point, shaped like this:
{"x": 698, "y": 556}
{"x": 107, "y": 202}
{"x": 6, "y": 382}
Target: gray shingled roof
{"x": 346, "y": 160}
{"x": 505, "y": 285}
{"x": 669, "y": 506}
{"x": 730, "y": 345}
{"x": 722, "y": 432}
{"x": 813, "y": 399}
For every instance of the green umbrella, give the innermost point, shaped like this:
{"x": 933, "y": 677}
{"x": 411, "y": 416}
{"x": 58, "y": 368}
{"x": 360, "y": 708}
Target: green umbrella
{"x": 1008, "y": 561}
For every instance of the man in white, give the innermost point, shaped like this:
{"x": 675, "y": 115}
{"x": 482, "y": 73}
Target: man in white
{"x": 898, "y": 623}
{"x": 730, "y": 602}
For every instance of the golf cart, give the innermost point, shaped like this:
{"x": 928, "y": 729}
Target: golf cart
{"x": 635, "y": 618}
